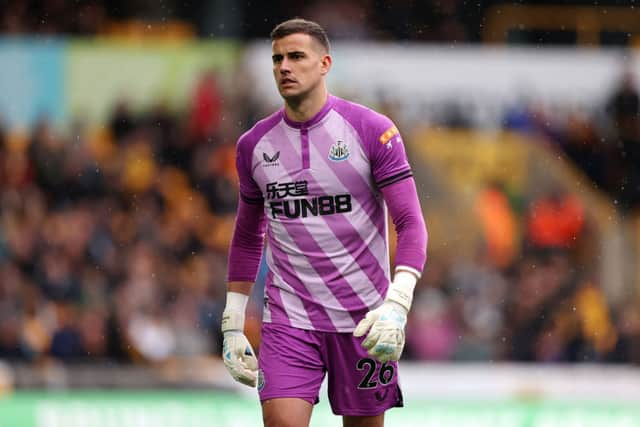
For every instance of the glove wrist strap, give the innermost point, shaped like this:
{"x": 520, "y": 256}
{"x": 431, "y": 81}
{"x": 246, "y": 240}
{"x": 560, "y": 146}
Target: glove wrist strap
{"x": 233, "y": 315}
{"x": 401, "y": 289}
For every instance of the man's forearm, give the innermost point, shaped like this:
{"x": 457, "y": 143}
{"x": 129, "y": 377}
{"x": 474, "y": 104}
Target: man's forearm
{"x": 236, "y": 305}
{"x": 240, "y": 287}
{"x": 246, "y": 245}
{"x": 404, "y": 207}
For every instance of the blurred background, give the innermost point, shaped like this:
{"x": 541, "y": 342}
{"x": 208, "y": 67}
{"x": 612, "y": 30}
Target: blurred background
{"x": 118, "y": 123}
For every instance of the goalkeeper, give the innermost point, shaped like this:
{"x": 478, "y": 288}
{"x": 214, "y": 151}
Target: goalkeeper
{"x": 317, "y": 177}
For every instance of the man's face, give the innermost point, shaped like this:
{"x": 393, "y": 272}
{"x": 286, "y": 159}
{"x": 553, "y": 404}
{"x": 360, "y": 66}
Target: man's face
{"x": 299, "y": 64}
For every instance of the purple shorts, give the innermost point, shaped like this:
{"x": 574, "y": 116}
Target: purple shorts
{"x": 293, "y": 363}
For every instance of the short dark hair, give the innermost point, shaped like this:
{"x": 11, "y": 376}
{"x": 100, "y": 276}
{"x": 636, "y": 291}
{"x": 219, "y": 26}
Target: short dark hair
{"x": 299, "y": 25}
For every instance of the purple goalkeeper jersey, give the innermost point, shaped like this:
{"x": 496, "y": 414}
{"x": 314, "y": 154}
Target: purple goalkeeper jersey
{"x": 319, "y": 182}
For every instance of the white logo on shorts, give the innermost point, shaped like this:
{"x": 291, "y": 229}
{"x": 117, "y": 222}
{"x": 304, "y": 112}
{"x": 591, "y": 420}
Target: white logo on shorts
{"x": 260, "y": 379}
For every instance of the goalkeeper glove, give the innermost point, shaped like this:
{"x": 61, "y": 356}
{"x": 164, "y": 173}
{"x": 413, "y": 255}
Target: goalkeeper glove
{"x": 386, "y": 323}
{"x": 237, "y": 353}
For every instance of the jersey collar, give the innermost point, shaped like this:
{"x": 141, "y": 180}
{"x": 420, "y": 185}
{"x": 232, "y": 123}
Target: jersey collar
{"x": 312, "y": 121}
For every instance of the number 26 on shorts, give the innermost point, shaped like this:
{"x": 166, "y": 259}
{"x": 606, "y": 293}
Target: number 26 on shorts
{"x": 386, "y": 374}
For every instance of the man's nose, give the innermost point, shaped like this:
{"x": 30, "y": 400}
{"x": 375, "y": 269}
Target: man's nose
{"x": 284, "y": 66}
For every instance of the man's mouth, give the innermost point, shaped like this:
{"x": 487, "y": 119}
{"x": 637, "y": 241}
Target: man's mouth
{"x": 286, "y": 81}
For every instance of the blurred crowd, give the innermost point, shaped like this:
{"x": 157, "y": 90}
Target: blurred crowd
{"x": 434, "y": 20}
{"x": 441, "y": 21}
{"x": 530, "y": 294}
{"x": 602, "y": 141}
{"x": 113, "y": 241}
{"x": 80, "y": 17}
{"x": 113, "y": 245}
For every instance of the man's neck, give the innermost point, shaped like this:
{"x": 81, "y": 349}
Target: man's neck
{"x": 305, "y": 109}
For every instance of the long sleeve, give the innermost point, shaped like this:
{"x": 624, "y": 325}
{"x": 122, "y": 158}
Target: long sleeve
{"x": 247, "y": 243}
{"x": 404, "y": 206}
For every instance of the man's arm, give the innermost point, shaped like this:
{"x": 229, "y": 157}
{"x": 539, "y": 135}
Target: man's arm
{"x": 244, "y": 260}
{"x": 404, "y": 207}
{"x": 240, "y": 287}
{"x": 246, "y": 246}
{"x": 386, "y": 323}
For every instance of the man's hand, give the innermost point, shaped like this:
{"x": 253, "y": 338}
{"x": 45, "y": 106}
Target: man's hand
{"x": 239, "y": 358}
{"x": 386, "y": 323}
{"x": 386, "y": 335}
{"x": 237, "y": 354}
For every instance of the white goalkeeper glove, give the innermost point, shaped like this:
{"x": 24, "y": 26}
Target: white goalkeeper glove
{"x": 386, "y": 323}
{"x": 237, "y": 353}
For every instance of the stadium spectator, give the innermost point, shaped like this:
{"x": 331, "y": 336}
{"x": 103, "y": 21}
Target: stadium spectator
{"x": 555, "y": 220}
{"x": 122, "y": 121}
{"x": 581, "y": 143}
{"x": 556, "y": 314}
{"x": 10, "y": 345}
{"x": 53, "y": 17}
{"x": 627, "y": 319}
{"x": 66, "y": 341}
{"x": 433, "y": 330}
{"x": 477, "y": 293}
{"x": 205, "y": 110}
{"x": 343, "y": 19}
{"x": 498, "y": 222}
{"x": 623, "y": 108}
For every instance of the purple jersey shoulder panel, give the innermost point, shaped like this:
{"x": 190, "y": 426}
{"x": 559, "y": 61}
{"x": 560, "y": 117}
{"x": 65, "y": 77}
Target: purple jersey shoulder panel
{"x": 249, "y": 190}
{"x": 381, "y": 139}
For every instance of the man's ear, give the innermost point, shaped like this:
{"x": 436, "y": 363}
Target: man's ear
{"x": 325, "y": 64}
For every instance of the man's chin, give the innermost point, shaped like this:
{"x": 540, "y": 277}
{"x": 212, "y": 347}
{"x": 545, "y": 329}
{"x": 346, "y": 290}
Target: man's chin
{"x": 291, "y": 96}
